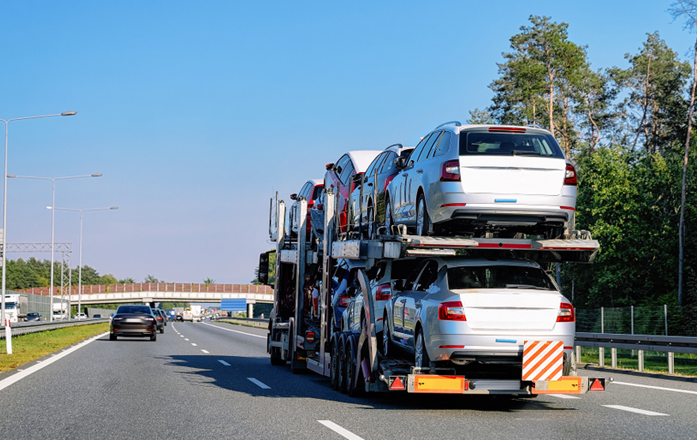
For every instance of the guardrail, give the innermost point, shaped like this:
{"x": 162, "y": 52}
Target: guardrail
{"x": 23, "y": 328}
{"x": 251, "y": 322}
{"x": 640, "y": 343}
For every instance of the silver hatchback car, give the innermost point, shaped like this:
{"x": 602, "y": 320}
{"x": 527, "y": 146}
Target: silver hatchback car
{"x": 483, "y": 179}
{"x": 464, "y": 312}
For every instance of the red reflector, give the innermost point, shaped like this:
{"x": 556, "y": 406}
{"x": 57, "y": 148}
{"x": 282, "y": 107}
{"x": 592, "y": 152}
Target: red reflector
{"x": 397, "y": 384}
{"x": 568, "y": 207}
{"x": 568, "y": 348}
{"x": 383, "y": 292}
{"x": 597, "y": 386}
{"x": 310, "y": 337}
{"x": 453, "y": 204}
{"x": 452, "y": 346}
{"x": 508, "y": 129}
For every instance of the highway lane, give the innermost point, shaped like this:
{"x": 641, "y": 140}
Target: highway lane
{"x": 215, "y": 380}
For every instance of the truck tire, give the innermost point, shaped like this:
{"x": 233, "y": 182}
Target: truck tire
{"x": 275, "y": 353}
{"x": 350, "y": 364}
{"x": 354, "y": 385}
{"x": 112, "y": 337}
{"x": 342, "y": 361}
{"x": 334, "y": 365}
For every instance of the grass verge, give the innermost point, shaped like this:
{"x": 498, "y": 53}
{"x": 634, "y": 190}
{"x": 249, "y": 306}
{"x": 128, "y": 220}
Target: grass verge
{"x": 26, "y": 348}
{"x": 655, "y": 362}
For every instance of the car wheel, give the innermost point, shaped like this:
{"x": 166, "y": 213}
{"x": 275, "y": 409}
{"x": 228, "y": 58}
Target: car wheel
{"x": 421, "y": 358}
{"x": 153, "y": 337}
{"x": 112, "y": 337}
{"x": 372, "y": 224}
{"x": 162, "y": 330}
{"x": 388, "y": 217}
{"x": 422, "y": 220}
{"x": 385, "y": 349}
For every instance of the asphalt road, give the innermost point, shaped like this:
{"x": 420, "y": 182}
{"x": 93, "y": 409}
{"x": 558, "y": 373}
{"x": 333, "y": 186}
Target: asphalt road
{"x": 214, "y": 380}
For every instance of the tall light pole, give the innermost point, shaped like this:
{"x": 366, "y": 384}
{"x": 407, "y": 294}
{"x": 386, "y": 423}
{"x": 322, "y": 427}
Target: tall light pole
{"x": 79, "y": 277}
{"x": 53, "y": 216}
{"x": 4, "y": 207}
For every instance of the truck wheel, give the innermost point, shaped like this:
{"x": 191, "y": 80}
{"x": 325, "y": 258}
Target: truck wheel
{"x": 421, "y": 358}
{"x": 153, "y": 337}
{"x": 112, "y": 337}
{"x": 569, "y": 368}
{"x": 350, "y": 365}
{"x": 275, "y": 353}
{"x": 354, "y": 386}
{"x": 334, "y": 365}
{"x": 342, "y": 361}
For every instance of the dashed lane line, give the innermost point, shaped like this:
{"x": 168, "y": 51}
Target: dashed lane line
{"x": 635, "y": 410}
{"x": 194, "y": 344}
{"x": 654, "y": 388}
{"x": 36, "y": 367}
{"x": 186, "y": 339}
{"x": 261, "y": 384}
{"x": 235, "y": 331}
{"x": 339, "y": 430}
{"x": 224, "y": 363}
{"x": 206, "y": 351}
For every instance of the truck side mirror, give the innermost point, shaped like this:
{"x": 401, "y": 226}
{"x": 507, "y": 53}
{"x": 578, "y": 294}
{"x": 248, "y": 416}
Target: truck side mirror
{"x": 264, "y": 264}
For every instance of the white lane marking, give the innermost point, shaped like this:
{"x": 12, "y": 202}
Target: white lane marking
{"x": 224, "y": 363}
{"x": 206, "y": 351}
{"x": 654, "y": 388}
{"x": 181, "y": 336}
{"x": 563, "y": 396}
{"x": 236, "y": 331}
{"x": 194, "y": 344}
{"x": 635, "y": 410}
{"x": 261, "y": 384}
{"x": 36, "y": 367}
{"x": 339, "y": 430}
{"x": 186, "y": 339}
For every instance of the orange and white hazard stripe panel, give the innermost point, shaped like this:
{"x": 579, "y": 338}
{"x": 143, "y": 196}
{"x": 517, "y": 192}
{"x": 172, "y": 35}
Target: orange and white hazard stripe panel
{"x": 543, "y": 360}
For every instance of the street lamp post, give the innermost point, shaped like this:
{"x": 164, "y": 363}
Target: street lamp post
{"x": 4, "y": 207}
{"x": 53, "y": 216}
{"x": 79, "y": 298}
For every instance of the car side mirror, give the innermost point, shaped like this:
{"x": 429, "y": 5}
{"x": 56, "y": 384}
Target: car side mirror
{"x": 294, "y": 196}
{"x": 329, "y": 166}
{"x": 400, "y": 162}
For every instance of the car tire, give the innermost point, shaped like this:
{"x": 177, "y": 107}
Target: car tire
{"x": 389, "y": 220}
{"x": 112, "y": 337}
{"x": 422, "y": 220}
{"x": 421, "y": 358}
{"x": 355, "y": 385}
{"x": 372, "y": 225}
{"x": 385, "y": 349}
{"x": 153, "y": 337}
{"x": 162, "y": 330}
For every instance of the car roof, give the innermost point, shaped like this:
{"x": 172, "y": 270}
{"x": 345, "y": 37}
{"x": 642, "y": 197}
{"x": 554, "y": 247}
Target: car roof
{"x": 362, "y": 158}
{"x": 476, "y": 127}
{"x": 398, "y": 148}
{"x": 464, "y": 261}
{"x": 316, "y": 182}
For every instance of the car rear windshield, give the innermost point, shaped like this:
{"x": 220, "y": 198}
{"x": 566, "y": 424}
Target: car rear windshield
{"x": 509, "y": 144}
{"x": 499, "y": 277}
{"x": 134, "y": 310}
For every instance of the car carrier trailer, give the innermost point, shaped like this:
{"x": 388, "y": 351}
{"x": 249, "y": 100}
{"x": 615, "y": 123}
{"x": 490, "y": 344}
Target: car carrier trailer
{"x": 351, "y": 360}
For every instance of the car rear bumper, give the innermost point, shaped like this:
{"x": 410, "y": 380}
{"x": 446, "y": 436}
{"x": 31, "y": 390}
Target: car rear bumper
{"x": 494, "y": 348}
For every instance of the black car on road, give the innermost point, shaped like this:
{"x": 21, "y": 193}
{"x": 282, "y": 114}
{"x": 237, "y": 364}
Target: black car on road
{"x": 133, "y": 321}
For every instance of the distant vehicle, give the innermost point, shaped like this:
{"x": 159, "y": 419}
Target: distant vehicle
{"x": 161, "y": 319}
{"x": 80, "y": 316}
{"x": 188, "y": 314}
{"x": 196, "y": 313}
{"x": 97, "y": 316}
{"x": 60, "y": 311}
{"x": 133, "y": 321}
{"x": 171, "y": 314}
{"x": 16, "y": 307}
{"x": 32, "y": 316}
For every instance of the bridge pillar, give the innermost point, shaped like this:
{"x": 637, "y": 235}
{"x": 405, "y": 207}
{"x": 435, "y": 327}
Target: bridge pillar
{"x": 250, "y": 310}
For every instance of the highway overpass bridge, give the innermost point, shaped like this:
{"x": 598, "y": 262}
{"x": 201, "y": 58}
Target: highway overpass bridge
{"x": 160, "y": 292}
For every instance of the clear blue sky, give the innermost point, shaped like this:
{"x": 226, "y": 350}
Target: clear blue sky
{"x": 197, "y": 112}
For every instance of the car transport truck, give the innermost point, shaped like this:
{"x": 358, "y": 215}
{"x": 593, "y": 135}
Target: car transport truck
{"x": 304, "y": 332}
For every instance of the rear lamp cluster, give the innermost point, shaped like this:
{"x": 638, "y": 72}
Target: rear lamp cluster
{"x": 451, "y": 311}
{"x": 566, "y": 313}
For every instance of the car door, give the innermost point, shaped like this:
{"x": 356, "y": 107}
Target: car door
{"x": 400, "y": 316}
{"x": 412, "y": 304}
{"x": 414, "y": 182}
{"x": 401, "y": 202}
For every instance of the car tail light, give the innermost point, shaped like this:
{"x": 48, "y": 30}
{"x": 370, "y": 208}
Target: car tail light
{"x": 507, "y": 129}
{"x": 310, "y": 337}
{"x": 570, "y": 177}
{"x": 566, "y": 313}
{"x": 450, "y": 171}
{"x": 383, "y": 293}
{"x": 344, "y": 300}
{"x": 451, "y": 311}
{"x": 150, "y": 318}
